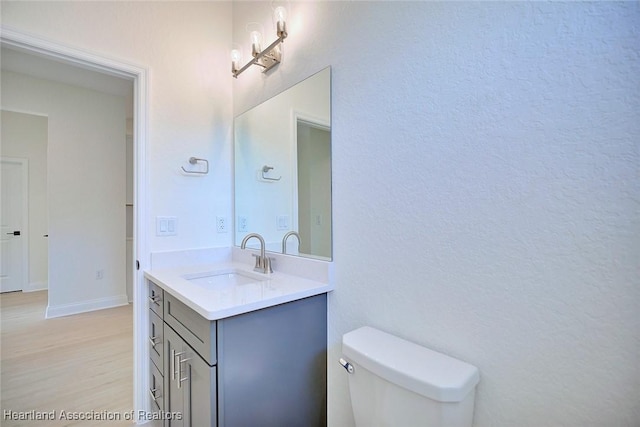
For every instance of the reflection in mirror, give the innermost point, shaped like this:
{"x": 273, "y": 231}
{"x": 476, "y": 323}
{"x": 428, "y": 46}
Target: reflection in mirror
{"x": 283, "y": 170}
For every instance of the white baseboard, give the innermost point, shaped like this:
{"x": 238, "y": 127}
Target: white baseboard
{"x": 36, "y": 286}
{"x": 84, "y": 306}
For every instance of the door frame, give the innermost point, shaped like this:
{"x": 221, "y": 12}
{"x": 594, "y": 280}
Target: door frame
{"x": 312, "y": 121}
{"x": 24, "y": 232}
{"x": 139, "y": 74}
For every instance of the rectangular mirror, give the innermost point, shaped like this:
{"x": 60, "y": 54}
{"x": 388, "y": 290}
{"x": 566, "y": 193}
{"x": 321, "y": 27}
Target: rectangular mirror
{"x": 282, "y": 151}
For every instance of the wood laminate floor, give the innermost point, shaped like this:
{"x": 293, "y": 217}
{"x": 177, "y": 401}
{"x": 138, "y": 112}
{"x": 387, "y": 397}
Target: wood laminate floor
{"x": 80, "y": 364}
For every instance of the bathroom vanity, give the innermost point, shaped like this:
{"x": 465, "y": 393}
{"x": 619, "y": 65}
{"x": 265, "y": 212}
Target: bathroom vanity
{"x": 230, "y": 347}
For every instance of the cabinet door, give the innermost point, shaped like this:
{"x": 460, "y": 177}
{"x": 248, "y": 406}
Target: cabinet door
{"x": 174, "y": 397}
{"x": 201, "y": 395}
{"x": 156, "y": 394}
{"x": 156, "y": 296}
{"x": 272, "y": 366}
{"x": 156, "y": 387}
{"x": 156, "y": 347}
{"x": 190, "y": 385}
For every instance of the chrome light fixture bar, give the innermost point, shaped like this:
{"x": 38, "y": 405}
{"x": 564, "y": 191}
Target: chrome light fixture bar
{"x": 266, "y": 58}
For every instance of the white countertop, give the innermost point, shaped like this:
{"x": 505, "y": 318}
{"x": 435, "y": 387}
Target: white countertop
{"x": 218, "y": 301}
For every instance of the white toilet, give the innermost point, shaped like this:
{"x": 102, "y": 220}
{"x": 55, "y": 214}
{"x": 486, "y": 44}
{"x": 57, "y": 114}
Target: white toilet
{"x": 396, "y": 383}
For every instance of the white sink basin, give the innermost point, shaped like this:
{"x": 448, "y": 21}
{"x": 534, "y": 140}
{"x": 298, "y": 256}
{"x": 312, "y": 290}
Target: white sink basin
{"x": 228, "y": 277}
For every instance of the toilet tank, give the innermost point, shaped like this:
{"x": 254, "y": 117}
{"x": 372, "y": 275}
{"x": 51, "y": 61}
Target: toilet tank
{"x": 398, "y": 383}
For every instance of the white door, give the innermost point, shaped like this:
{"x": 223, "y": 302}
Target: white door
{"x": 11, "y": 224}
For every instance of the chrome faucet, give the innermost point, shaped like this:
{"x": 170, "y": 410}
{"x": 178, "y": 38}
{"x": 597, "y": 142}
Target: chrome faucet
{"x": 284, "y": 240}
{"x": 263, "y": 262}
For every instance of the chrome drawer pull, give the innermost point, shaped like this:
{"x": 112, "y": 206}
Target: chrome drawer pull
{"x": 154, "y": 397}
{"x": 173, "y": 363}
{"x": 180, "y": 378}
{"x": 180, "y": 381}
{"x": 154, "y": 299}
{"x": 153, "y": 342}
{"x": 178, "y": 371}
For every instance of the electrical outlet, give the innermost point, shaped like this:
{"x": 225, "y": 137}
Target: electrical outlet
{"x": 243, "y": 224}
{"x": 221, "y": 224}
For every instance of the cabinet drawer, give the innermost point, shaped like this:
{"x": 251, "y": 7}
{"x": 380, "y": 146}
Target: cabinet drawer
{"x": 156, "y": 339}
{"x": 156, "y": 389}
{"x": 197, "y": 331}
{"x": 156, "y": 295}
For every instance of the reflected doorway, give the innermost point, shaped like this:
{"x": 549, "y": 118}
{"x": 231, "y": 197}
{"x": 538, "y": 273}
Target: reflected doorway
{"x": 313, "y": 147}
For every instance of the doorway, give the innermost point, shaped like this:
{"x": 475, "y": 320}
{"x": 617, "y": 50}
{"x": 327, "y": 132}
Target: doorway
{"x": 24, "y": 141}
{"x": 13, "y": 220}
{"x": 312, "y": 215}
{"x": 140, "y": 257}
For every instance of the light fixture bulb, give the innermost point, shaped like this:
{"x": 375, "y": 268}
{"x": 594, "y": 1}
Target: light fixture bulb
{"x": 280, "y": 15}
{"x": 236, "y": 57}
{"x": 256, "y": 40}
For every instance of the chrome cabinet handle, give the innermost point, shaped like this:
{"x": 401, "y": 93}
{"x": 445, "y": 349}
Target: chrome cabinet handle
{"x": 172, "y": 366}
{"x": 180, "y": 377}
{"x": 152, "y": 392}
{"x": 155, "y": 398}
{"x": 153, "y": 342}
{"x": 177, "y": 372}
{"x": 154, "y": 299}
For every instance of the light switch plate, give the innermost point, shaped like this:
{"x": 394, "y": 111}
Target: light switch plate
{"x": 166, "y": 226}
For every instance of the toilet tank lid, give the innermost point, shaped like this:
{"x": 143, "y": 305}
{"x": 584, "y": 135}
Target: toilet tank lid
{"x": 426, "y": 372}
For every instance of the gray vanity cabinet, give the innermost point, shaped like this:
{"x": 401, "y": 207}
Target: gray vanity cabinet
{"x": 262, "y": 368}
{"x": 190, "y": 385}
{"x": 156, "y": 350}
{"x": 272, "y": 366}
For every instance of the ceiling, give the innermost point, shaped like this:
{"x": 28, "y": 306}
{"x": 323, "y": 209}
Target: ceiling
{"x": 42, "y": 67}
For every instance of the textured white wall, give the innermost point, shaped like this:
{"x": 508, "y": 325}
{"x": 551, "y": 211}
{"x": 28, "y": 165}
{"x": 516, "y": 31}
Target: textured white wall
{"x": 185, "y": 47}
{"x": 485, "y": 161}
{"x": 85, "y": 169}
{"x": 485, "y": 165}
{"x": 25, "y": 135}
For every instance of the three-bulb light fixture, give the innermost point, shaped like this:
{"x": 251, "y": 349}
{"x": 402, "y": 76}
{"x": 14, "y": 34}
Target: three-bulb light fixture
{"x": 266, "y": 58}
